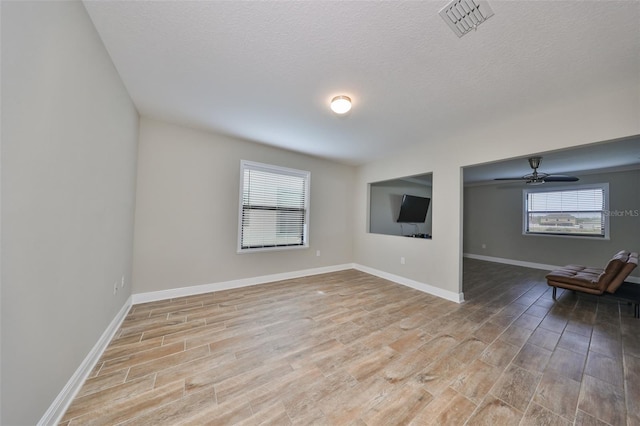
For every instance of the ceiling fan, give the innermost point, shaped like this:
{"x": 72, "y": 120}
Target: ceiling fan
{"x": 538, "y": 178}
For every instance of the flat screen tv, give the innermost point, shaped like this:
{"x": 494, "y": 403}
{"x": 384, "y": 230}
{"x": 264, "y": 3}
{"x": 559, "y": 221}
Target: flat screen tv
{"x": 413, "y": 209}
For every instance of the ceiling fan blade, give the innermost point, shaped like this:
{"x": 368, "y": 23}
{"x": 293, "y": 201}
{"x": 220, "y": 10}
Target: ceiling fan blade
{"x": 511, "y": 178}
{"x": 537, "y": 178}
{"x": 560, "y": 178}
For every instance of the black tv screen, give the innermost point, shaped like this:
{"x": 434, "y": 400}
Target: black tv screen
{"x": 413, "y": 209}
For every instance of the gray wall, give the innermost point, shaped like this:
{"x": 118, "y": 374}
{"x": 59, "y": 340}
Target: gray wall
{"x": 69, "y": 140}
{"x": 186, "y": 226}
{"x": 493, "y": 216}
{"x": 385, "y": 200}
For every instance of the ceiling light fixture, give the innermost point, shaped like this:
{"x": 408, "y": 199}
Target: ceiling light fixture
{"x": 341, "y": 104}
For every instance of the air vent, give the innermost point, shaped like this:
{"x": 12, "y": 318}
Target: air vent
{"x": 465, "y": 15}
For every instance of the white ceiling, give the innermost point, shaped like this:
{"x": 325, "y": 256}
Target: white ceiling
{"x": 266, "y": 70}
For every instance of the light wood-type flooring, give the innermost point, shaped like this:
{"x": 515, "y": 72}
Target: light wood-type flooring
{"x": 348, "y": 348}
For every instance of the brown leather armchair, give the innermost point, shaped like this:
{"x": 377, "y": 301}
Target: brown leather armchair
{"x": 594, "y": 280}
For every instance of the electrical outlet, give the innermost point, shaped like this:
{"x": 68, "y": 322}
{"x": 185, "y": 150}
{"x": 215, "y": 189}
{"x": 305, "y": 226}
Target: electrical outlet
{"x": 402, "y": 260}
{"x": 318, "y": 253}
{"x": 484, "y": 246}
{"x": 122, "y": 282}
{"x": 115, "y": 287}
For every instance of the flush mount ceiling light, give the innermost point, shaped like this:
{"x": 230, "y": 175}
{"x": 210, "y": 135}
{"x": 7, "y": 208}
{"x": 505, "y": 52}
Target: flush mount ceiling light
{"x": 341, "y": 104}
{"x": 463, "y": 16}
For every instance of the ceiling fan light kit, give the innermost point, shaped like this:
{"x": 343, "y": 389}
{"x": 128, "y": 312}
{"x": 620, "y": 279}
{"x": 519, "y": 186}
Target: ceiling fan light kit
{"x": 534, "y": 162}
{"x": 538, "y": 178}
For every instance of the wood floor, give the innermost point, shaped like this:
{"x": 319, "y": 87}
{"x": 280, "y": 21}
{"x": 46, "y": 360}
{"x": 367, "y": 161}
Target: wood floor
{"x": 348, "y": 348}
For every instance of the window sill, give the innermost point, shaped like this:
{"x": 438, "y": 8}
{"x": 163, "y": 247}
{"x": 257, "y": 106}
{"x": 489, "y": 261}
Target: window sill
{"x": 578, "y": 237}
{"x": 268, "y": 249}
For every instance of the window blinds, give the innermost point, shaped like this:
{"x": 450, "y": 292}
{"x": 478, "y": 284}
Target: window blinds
{"x": 567, "y": 212}
{"x": 583, "y": 200}
{"x": 274, "y": 207}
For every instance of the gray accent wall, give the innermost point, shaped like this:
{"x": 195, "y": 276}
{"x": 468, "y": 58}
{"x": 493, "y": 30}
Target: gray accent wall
{"x": 69, "y": 147}
{"x": 493, "y": 215}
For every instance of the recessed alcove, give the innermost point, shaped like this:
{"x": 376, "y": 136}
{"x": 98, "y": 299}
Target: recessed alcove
{"x": 386, "y": 201}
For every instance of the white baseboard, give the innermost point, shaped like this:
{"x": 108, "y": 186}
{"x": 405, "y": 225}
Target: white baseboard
{"x": 425, "y": 288}
{"x": 173, "y": 293}
{"x": 513, "y": 262}
{"x": 533, "y": 265}
{"x": 154, "y": 296}
{"x": 59, "y": 406}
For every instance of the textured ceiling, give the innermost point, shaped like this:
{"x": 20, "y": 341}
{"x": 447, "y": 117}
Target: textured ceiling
{"x": 265, "y": 71}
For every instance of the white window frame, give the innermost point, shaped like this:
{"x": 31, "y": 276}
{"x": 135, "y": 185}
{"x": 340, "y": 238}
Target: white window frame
{"x": 605, "y": 209}
{"x": 252, "y": 165}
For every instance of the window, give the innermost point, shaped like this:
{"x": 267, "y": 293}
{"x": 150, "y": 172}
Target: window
{"x": 274, "y": 207}
{"x": 576, "y": 211}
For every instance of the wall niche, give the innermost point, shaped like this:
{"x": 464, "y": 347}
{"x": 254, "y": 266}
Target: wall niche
{"x": 397, "y": 206}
